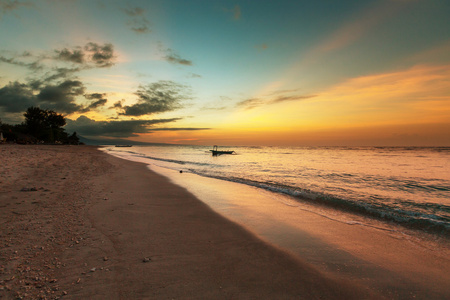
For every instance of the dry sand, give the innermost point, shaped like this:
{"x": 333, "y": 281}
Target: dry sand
{"x": 80, "y": 224}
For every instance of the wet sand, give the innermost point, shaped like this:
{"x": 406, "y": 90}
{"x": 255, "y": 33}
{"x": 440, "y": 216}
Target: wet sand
{"x": 77, "y": 223}
{"x": 389, "y": 259}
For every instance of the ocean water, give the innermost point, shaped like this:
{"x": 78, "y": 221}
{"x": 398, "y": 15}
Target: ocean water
{"x": 406, "y": 186}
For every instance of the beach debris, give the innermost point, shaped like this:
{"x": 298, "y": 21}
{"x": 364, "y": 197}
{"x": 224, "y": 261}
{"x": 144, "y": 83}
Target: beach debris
{"x": 105, "y": 258}
{"x": 32, "y": 189}
{"x": 181, "y": 171}
{"x": 146, "y": 259}
{"x": 93, "y": 269}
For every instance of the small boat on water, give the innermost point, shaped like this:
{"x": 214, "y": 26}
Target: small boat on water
{"x": 215, "y": 151}
{"x": 124, "y": 145}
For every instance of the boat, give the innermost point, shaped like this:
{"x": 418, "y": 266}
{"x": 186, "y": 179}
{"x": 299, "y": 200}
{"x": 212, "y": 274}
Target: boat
{"x": 215, "y": 151}
{"x": 124, "y": 145}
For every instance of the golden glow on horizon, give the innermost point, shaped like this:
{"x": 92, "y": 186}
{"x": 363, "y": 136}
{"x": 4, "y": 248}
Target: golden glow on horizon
{"x": 417, "y": 95}
{"x": 387, "y": 107}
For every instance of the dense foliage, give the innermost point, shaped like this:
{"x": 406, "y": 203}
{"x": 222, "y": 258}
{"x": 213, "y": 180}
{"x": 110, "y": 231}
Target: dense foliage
{"x": 40, "y": 126}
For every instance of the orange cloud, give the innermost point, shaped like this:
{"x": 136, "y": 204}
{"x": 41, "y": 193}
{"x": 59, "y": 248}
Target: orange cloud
{"x": 419, "y": 94}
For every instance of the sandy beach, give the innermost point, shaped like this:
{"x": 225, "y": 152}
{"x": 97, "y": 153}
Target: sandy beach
{"x": 77, "y": 223}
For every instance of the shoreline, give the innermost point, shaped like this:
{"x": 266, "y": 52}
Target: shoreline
{"x": 396, "y": 261}
{"x": 80, "y": 223}
{"x": 418, "y": 207}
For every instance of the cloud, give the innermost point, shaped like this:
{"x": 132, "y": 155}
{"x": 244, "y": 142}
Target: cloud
{"x": 34, "y": 66}
{"x": 158, "y": 97}
{"x": 138, "y": 22}
{"x": 100, "y": 100}
{"x": 273, "y": 98}
{"x": 291, "y": 98}
{"x": 250, "y": 103}
{"x": 60, "y": 73}
{"x": 95, "y": 96}
{"x": 117, "y": 105}
{"x": 123, "y": 128}
{"x": 174, "y": 58}
{"x": 61, "y": 97}
{"x": 101, "y": 55}
{"x": 91, "y": 55}
{"x": 95, "y": 104}
{"x": 417, "y": 94}
{"x": 16, "y": 97}
{"x": 74, "y": 56}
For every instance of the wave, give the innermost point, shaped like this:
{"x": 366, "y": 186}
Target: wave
{"x": 429, "y": 217}
{"x": 175, "y": 161}
{"x": 428, "y": 222}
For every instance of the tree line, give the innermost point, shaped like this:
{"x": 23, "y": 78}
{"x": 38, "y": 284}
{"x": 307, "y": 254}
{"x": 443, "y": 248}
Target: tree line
{"x": 40, "y": 126}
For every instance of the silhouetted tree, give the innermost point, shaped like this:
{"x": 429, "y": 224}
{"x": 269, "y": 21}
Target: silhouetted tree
{"x": 73, "y": 139}
{"x": 45, "y": 125}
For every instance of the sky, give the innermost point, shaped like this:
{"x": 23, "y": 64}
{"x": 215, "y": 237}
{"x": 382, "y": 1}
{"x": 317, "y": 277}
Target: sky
{"x": 276, "y": 73}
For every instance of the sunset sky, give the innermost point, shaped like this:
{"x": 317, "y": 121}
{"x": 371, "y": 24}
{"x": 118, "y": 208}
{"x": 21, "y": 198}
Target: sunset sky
{"x": 300, "y": 73}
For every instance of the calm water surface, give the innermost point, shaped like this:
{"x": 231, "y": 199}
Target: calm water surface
{"x": 409, "y": 186}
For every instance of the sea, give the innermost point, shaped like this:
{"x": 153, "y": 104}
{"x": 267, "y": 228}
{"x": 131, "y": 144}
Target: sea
{"x": 406, "y": 186}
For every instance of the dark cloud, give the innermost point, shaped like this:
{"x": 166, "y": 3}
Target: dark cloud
{"x": 53, "y": 86}
{"x": 178, "y": 129}
{"x": 291, "y": 98}
{"x": 277, "y": 97}
{"x": 125, "y": 128}
{"x": 138, "y": 22}
{"x": 92, "y": 55}
{"x": 250, "y": 103}
{"x": 61, "y": 97}
{"x": 100, "y": 100}
{"x": 52, "y": 76}
{"x": 98, "y": 103}
{"x": 74, "y": 56}
{"x": 101, "y": 55}
{"x": 174, "y": 58}
{"x": 60, "y": 73}
{"x": 89, "y": 56}
{"x": 158, "y": 97}
{"x": 95, "y": 96}
{"x": 117, "y": 105}
{"x": 34, "y": 66}
{"x": 16, "y": 97}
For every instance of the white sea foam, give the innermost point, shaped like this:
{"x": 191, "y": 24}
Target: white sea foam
{"x": 410, "y": 186}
